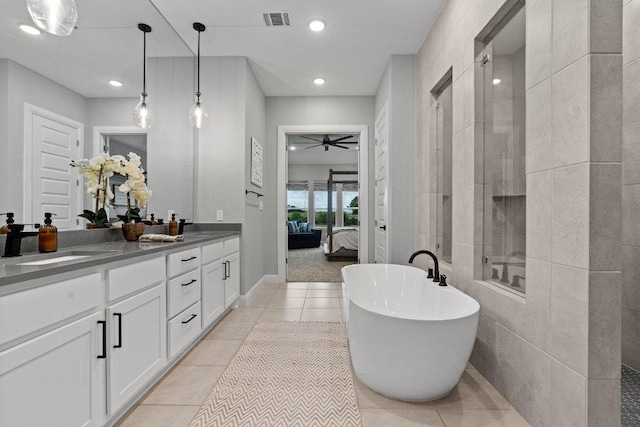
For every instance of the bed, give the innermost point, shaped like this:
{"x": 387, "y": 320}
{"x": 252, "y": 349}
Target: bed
{"x": 342, "y": 242}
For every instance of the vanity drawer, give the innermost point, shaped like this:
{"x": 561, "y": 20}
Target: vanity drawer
{"x": 131, "y": 278}
{"x": 25, "y": 312}
{"x": 183, "y": 291}
{"x": 211, "y": 252}
{"x": 184, "y": 261}
{"x": 184, "y": 328}
{"x": 231, "y": 246}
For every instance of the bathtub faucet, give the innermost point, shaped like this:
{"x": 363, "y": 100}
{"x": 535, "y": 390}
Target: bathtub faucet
{"x": 436, "y": 273}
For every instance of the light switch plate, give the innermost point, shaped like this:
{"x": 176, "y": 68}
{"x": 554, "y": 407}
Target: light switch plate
{"x": 219, "y": 215}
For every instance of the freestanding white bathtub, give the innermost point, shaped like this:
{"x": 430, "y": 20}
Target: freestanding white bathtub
{"x": 409, "y": 338}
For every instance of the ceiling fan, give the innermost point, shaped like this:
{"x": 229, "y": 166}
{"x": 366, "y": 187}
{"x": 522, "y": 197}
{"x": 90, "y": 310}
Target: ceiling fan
{"x": 328, "y": 142}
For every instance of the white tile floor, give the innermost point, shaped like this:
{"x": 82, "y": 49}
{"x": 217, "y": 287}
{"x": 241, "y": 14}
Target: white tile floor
{"x": 177, "y": 397}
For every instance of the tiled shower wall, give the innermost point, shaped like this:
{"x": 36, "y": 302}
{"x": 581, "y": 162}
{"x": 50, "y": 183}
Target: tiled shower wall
{"x": 631, "y": 187}
{"x": 555, "y": 353}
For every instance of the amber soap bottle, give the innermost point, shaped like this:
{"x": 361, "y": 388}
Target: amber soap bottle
{"x": 5, "y": 228}
{"x": 48, "y": 236}
{"x": 173, "y": 226}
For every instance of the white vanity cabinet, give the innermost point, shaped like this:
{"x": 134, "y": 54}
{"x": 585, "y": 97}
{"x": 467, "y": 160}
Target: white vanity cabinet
{"x": 212, "y": 283}
{"x": 184, "y": 293}
{"x": 137, "y": 348}
{"x": 54, "y": 374}
{"x": 231, "y": 270}
{"x": 77, "y": 349}
{"x": 136, "y": 326}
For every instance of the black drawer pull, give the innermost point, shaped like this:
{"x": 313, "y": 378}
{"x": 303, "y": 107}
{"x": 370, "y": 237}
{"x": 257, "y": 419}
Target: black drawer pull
{"x": 189, "y": 259}
{"x": 193, "y": 316}
{"x": 119, "y": 345}
{"x": 104, "y": 339}
{"x": 187, "y": 284}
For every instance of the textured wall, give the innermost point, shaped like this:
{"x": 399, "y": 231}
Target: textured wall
{"x": 631, "y": 187}
{"x": 554, "y": 354}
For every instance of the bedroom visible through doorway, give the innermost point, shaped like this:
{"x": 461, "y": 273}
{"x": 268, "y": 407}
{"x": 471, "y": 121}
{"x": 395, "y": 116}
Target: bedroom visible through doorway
{"x": 322, "y": 205}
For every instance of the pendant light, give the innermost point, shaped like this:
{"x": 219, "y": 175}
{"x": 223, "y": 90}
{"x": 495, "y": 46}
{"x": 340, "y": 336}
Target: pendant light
{"x": 57, "y": 17}
{"x": 197, "y": 113}
{"x": 142, "y": 115}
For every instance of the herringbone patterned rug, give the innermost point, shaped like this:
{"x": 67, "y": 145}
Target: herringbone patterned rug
{"x": 286, "y": 374}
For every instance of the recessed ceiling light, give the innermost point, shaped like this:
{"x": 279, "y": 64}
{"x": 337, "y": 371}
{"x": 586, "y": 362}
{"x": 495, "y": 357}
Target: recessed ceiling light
{"x": 115, "y": 83}
{"x": 496, "y": 81}
{"x": 317, "y": 25}
{"x": 319, "y": 81}
{"x": 29, "y": 29}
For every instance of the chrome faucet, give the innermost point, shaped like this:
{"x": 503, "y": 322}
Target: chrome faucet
{"x": 431, "y": 273}
{"x": 14, "y": 239}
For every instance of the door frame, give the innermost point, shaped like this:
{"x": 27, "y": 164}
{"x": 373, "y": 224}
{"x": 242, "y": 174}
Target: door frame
{"x": 363, "y": 191}
{"x": 98, "y": 131}
{"x": 31, "y": 110}
{"x": 384, "y": 113}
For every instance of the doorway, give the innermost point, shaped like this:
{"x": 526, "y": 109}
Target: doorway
{"x": 360, "y": 133}
{"x": 120, "y": 140}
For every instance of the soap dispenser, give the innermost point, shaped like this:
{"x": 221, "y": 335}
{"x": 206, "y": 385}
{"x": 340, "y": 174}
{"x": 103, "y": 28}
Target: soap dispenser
{"x": 48, "y": 235}
{"x": 5, "y": 228}
{"x": 173, "y": 226}
{"x": 153, "y": 220}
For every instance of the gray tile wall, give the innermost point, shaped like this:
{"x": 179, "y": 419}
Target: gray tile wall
{"x": 555, "y": 353}
{"x": 631, "y": 187}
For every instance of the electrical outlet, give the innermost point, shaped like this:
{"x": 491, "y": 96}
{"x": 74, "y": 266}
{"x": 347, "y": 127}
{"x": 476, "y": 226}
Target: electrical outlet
{"x": 169, "y": 213}
{"x": 219, "y": 215}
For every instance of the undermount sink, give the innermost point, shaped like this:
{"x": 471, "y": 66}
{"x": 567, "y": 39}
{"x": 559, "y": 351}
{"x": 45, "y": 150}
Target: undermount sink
{"x": 64, "y": 256}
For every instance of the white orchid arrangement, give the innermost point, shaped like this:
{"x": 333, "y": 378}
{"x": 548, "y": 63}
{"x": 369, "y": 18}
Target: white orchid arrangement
{"x": 99, "y": 169}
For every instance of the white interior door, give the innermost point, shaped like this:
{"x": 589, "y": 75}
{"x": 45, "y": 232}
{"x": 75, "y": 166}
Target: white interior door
{"x": 382, "y": 187}
{"x": 54, "y": 183}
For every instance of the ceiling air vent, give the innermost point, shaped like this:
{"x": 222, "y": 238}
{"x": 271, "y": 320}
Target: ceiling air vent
{"x": 276, "y": 19}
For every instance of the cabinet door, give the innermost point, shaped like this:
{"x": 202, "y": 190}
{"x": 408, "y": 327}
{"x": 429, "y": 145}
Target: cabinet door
{"x": 137, "y": 344}
{"x": 212, "y": 292}
{"x": 55, "y": 379}
{"x": 232, "y": 282}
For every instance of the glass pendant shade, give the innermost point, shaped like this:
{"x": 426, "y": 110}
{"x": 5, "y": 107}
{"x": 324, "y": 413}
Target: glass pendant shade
{"x": 142, "y": 115}
{"x": 57, "y": 17}
{"x": 197, "y": 115}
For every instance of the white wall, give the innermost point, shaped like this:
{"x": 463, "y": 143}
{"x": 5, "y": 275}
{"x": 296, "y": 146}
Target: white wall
{"x": 255, "y": 247}
{"x": 220, "y": 151}
{"x": 26, "y": 86}
{"x": 398, "y": 88}
{"x": 4, "y": 133}
{"x": 321, "y": 110}
{"x": 317, "y": 172}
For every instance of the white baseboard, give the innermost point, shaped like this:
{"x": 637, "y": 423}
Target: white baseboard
{"x": 245, "y": 299}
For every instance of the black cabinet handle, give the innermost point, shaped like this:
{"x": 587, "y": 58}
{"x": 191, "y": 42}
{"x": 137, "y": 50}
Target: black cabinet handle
{"x": 225, "y": 271}
{"x": 189, "y": 259}
{"x": 193, "y": 316}
{"x": 187, "y": 284}
{"x": 119, "y": 316}
{"x": 104, "y": 339}
{"x": 384, "y": 227}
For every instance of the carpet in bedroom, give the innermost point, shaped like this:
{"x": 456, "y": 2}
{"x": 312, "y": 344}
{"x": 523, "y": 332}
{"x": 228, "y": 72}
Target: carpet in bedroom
{"x": 311, "y": 265}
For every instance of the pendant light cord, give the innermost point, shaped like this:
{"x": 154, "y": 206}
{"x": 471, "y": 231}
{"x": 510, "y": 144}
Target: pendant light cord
{"x": 144, "y": 64}
{"x": 198, "y": 93}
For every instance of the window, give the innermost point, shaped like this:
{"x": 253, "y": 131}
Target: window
{"x": 350, "y": 200}
{"x": 298, "y": 201}
{"x": 504, "y": 155}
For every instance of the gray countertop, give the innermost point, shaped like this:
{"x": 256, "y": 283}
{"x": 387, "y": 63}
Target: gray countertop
{"x": 11, "y": 270}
